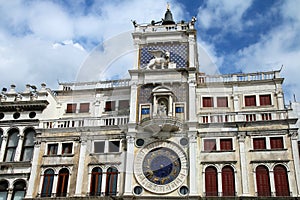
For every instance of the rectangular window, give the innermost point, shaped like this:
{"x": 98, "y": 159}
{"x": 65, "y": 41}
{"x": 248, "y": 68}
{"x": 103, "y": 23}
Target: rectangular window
{"x": 179, "y": 109}
{"x": 209, "y": 145}
{"x": 99, "y": 147}
{"x": 207, "y": 102}
{"x": 71, "y": 108}
{"x": 110, "y": 106}
{"x": 250, "y": 100}
{"x": 52, "y": 149}
{"x": 276, "y": 142}
{"x": 259, "y": 143}
{"x": 226, "y": 144}
{"x": 114, "y": 146}
{"x": 84, "y": 107}
{"x": 145, "y": 111}
{"x": 67, "y": 148}
{"x": 123, "y": 104}
{"x": 266, "y": 116}
{"x": 222, "y": 102}
{"x": 265, "y": 100}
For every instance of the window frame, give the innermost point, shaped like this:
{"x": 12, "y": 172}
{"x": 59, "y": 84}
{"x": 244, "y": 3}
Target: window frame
{"x": 249, "y": 101}
{"x": 265, "y": 100}
{"x": 27, "y": 147}
{"x": 209, "y": 144}
{"x": 11, "y": 149}
{"x": 84, "y": 107}
{"x": 49, "y": 151}
{"x": 259, "y": 143}
{"x": 207, "y": 102}
{"x": 71, "y": 108}
{"x": 48, "y": 181}
{"x": 276, "y": 143}
{"x": 220, "y": 103}
{"x": 68, "y": 145}
{"x": 110, "y": 106}
{"x": 226, "y": 144}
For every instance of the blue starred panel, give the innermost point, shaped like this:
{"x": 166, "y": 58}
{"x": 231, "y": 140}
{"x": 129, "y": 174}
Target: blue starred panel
{"x": 178, "y": 54}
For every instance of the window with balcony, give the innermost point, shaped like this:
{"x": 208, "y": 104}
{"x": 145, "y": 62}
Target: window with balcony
{"x": 222, "y": 102}
{"x": 28, "y": 145}
{"x": 67, "y": 148}
{"x": 110, "y": 106}
{"x": 99, "y": 146}
{"x": 259, "y": 143}
{"x": 52, "y": 149}
{"x": 276, "y": 142}
{"x": 226, "y": 144}
{"x": 250, "y": 100}
{"x": 207, "y": 102}
{"x": 265, "y": 100}
{"x": 113, "y": 146}
{"x": 71, "y": 108}
{"x": 84, "y": 108}
{"x": 209, "y": 144}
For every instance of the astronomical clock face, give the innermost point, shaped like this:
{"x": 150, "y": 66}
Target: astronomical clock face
{"x": 161, "y": 167}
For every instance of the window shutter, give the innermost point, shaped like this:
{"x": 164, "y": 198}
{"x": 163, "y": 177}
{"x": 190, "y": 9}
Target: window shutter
{"x": 222, "y": 102}
{"x": 263, "y": 181}
{"x": 265, "y": 100}
{"x": 228, "y": 183}
{"x": 281, "y": 181}
{"x": 250, "y": 100}
{"x": 207, "y": 102}
{"x": 211, "y": 182}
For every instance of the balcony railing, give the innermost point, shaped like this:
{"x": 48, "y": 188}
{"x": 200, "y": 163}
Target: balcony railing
{"x": 85, "y": 122}
{"x": 241, "y": 117}
{"x": 202, "y": 78}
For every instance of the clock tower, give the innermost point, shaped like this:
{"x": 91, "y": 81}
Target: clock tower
{"x": 161, "y": 135}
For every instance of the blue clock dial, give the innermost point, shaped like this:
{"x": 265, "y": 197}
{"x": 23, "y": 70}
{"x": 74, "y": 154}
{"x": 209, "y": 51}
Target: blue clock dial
{"x": 161, "y": 165}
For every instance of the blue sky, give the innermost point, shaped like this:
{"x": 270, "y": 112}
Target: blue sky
{"x": 51, "y": 40}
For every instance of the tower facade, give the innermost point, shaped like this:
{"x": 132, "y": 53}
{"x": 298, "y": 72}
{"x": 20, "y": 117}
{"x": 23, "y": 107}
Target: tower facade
{"x": 168, "y": 132}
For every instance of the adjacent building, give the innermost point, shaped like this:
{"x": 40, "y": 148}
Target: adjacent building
{"x": 170, "y": 131}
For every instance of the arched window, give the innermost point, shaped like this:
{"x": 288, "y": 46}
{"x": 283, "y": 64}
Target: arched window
{"x": 3, "y": 189}
{"x": 211, "y": 181}
{"x": 281, "y": 181}
{"x": 11, "y": 146}
{"x": 62, "y": 184}
{"x": 263, "y": 181}
{"x": 19, "y": 190}
{"x": 96, "y": 180}
{"x": 228, "y": 187}
{"x": 111, "y": 181}
{"x": 47, "y": 183}
{"x": 28, "y": 145}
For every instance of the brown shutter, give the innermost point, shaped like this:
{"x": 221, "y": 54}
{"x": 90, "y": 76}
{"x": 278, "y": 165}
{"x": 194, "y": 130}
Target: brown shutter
{"x": 276, "y": 143}
{"x": 263, "y": 181}
{"x": 222, "y": 102}
{"x": 207, "y": 102}
{"x": 228, "y": 183}
{"x": 250, "y": 101}
{"x": 281, "y": 181}
{"x": 211, "y": 182}
{"x": 265, "y": 100}
{"x": 226, "y": 144}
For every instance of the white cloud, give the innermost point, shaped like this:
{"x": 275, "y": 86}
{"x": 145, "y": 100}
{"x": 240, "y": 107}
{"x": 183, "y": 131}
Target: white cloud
{"x": 224, "y": 14}
{"x": 42, "y": 41}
